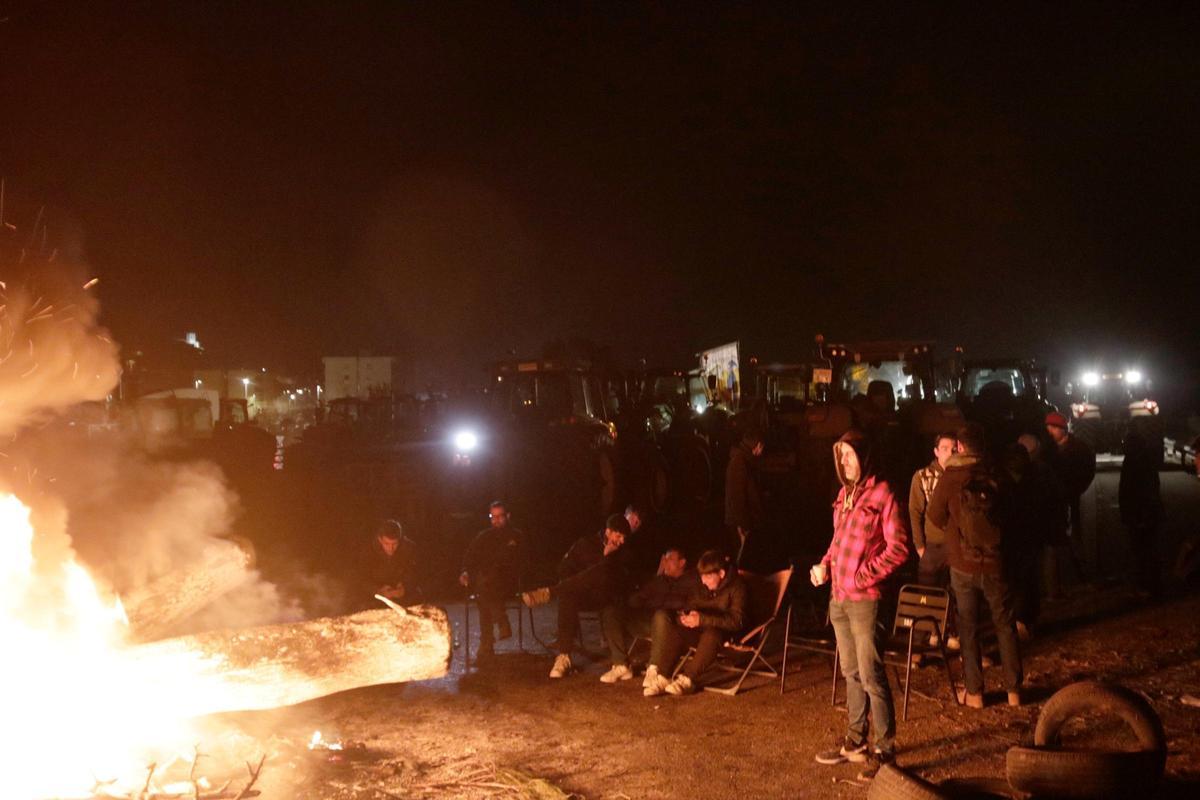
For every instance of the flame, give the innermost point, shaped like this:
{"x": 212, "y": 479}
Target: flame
{"x": 79, "y": 709}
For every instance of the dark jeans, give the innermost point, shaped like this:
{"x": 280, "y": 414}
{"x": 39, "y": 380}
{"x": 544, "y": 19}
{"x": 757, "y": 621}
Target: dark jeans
{"x": 859, "y": 633}
{"x": 589, "y": 590}
{"x": 1024, "y": 575}
{"x": 969, "y": 589}
{"x": 621, "y": 626}
{"x": 492, "y": 591}
{"x": 933, "y": 568}
{"x": 1143, "y": 544}
{"x": 668, "y": 638}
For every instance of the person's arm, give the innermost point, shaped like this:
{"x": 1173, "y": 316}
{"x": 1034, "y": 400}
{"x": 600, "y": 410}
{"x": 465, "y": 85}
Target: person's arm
{"x": 916, "y": 512}
{"x": 895, "y": 551}
{"x": 733, "y": 618}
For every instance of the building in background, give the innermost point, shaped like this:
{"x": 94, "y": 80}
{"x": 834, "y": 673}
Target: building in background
{"x": 362, "y": 377}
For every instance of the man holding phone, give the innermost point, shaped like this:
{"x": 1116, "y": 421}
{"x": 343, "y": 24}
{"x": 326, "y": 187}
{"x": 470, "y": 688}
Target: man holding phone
{"x": 870, "y": 543}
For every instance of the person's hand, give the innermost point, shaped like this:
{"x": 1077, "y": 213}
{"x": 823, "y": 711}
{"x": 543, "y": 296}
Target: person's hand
{"x": 392, "y": 592}
{"x": 662, "y": 564}
{"x": 464, "y": 579}
{"x": 690, "y": 620}
{"x": 920, "y": 552}
{"x": 818, "y": 574}
{"x": 611, "y": 547}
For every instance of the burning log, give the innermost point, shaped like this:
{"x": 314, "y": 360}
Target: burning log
{"x": 156, "y": 610}
{"x": 278, "y": 665}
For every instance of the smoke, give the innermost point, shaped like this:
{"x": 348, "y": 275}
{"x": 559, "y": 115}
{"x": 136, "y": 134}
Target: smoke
{"x": 133, "y": 518}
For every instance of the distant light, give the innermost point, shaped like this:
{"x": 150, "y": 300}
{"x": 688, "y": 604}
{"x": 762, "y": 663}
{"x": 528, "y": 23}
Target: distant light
{"x": 245, "y": 381}
{"x": 199, "y": 383}
{"x": 1091, "y": 379}
{"x": 700, "y": 408}
{"x": 465, "y": 441}
{"x": 1133, "y": 376}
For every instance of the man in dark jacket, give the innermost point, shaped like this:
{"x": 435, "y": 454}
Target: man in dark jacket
{"x": 600, "y": 582}
{"x": 715, "y": 612}
{"x": 669, "y": 590}
{"x": 1141, "y": 501}
{"x": 869, "y": 545}
{"x": 743, "y": 502}
{"x": 492, "y": 569}
{"x": 390, "y": 565}
{"x": 1075, "y": 464}
{"x": 972, "y": 503}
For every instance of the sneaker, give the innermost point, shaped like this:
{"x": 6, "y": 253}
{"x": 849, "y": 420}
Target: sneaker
{"x": 987, "y": 662}
{"x": 505, "y": 630}
{"x": 1014, "y": 698}
{"x": 562, "y": 665}
{"x": 969, "y": 699}
{"x": 933, "y": 640}
{"x": 875, "y": 760}
{"x": 651, "y": 678}
{"x": 1023, "y": 632}
{"x": 952, "y": 643}
{"x": 846, "y": 750}
{"x": 656, "y": 686}
{"x": 536, "y": 597}
{"x": 619, "y": 672}
{"x": 680, "y": 686}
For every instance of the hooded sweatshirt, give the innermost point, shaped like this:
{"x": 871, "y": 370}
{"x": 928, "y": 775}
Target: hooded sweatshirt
{"x": 870, "y": 541}
{"x": 944, "y": 510}
{"x": 924, "y": 481}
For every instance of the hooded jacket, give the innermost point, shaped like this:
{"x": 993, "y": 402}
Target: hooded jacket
{"x": 724, "y": 608}
{"x": 944, "y": 511}
{"x": 870, "y": 541}
{"x": 924, "y": 481}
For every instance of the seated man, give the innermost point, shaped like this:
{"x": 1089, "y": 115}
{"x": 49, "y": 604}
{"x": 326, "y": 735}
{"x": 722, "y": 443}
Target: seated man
{"x": 714, "y": 613}
{"x": 492, "y": 569}
{"x": 596, "y": 585}
{"x": 668, "y": 590}
{"x": 389, "y": 564}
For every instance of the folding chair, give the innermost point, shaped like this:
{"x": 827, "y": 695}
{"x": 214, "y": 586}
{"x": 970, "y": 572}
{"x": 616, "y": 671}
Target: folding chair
{"x": 827, "y": 646}
{"x": 919, "y": 609}
{"x": 511, "y": 602}
{"x": 764, "y": 598}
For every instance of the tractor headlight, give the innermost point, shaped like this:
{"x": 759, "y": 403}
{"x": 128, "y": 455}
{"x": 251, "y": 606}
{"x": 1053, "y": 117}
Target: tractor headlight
{"x": 465, "y": 441}
{"x": 1090, "y": 379}
{"x": 1133, "y": 376}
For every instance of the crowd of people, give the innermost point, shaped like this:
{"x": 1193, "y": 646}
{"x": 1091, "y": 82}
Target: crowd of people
{"x": 995, "y": 528}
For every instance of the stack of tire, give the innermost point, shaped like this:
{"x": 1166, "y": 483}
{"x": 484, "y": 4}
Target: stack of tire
{"x": 1049, "y": 770}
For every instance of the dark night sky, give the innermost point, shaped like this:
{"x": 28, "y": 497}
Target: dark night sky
{"x": 318, "y": 178}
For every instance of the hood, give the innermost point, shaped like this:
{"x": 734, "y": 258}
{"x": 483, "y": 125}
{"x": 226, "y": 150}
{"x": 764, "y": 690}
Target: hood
{"x": 861, "y": 445}
{"x": 963, "y": 460}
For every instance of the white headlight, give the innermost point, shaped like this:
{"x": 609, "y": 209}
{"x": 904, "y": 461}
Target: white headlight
{"x": 1133, "y": 376}
{"x": 1091, "y": 379}
{"x": 465, "y": 441}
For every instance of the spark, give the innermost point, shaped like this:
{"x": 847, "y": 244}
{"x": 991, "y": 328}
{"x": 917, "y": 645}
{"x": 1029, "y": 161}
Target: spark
{"x": 90, "y": 283}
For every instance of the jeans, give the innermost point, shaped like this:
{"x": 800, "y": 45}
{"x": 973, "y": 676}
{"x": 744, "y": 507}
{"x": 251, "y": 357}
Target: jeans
{"x": 969, "y": 588}
{"x": 668, "y": 638}
{"x": 590, "y": 590}
{"x": 859, "y": 633}
{"x": 621, "y": 625}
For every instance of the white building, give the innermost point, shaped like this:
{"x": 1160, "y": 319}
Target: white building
{"x": 360, "y": 376}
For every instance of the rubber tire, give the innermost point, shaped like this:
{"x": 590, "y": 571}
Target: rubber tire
{"x": 893, "y": 783}
{"x": 1084, "y": 774}
{"x": 976, "y": 788}
{"x": 1084, "y": 696}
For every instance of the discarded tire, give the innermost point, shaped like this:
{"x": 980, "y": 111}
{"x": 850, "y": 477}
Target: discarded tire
{"x": 893, "y": 783}
{"x": 1085, "y": 696}
{"x": 1083, "y": 775}
{"x": 976, "y": 788}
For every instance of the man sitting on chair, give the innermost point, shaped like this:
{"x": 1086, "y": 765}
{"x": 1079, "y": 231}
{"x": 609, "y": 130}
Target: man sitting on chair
{"x": 669, "y": 590}
{"x": 596, "y": 578}
{"x": 492, "y": 570}
{"x": 714, "y": 613}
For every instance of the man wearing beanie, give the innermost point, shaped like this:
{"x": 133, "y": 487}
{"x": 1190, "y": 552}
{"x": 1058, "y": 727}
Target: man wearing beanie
{"x": 595, "y": 576}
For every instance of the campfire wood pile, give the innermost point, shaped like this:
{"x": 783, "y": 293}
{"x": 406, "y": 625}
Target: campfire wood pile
{"x": 278, "y": 665}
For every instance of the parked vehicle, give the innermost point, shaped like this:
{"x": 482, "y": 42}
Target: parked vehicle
{"x": 1102, "y": 403}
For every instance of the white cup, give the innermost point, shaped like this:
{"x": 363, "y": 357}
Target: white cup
{"x": 817, "y": 574}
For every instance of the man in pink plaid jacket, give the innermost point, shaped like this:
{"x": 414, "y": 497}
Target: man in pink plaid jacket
{"x": 870, "y": 543}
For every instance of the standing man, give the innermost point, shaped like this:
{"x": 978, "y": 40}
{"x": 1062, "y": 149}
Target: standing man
{"x": 1075, "y": 464}
{"x": 1141, "y": 502}
{"x": 743, "y": 502}
{"x": 928, "y": 539}
{"x": 870, "y": 543}
{"x": 971, "y": 503}
{"x": 492, "y": 569}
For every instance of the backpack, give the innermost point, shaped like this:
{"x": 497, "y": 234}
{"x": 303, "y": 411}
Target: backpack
{"x": 979, "y": 515}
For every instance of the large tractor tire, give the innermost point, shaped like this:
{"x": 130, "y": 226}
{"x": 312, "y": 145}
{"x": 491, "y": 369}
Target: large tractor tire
{"x": 893, "y": 783}
{"x": 1084, "y": 774}
{"x": 1089, "y": 696}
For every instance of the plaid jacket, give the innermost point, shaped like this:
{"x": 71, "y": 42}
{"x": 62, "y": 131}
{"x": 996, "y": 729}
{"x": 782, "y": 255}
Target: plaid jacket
{"x": 870, "y": 541}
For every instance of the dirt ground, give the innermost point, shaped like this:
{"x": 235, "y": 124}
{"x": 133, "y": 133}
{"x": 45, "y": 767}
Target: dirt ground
{"x": 489, "y": 732}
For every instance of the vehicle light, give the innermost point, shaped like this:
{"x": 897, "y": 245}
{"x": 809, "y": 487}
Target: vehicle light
{"x": 700, "y": 408}
{"x": 1090, "y": 379}
{"x": 465, "y": 441}
{"x": 1133, "y": 376}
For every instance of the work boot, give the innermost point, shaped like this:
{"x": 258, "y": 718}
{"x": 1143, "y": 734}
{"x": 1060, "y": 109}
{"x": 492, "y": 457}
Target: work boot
{"x": 680, "y": 686}
{"x": 505, "y": 629}
{"x": 874, "y": 761}
{"x": 562, "y": 665}
{"x": 845, "y": 750}
{"x": 618, "y": 672}
{"x": 536, "y": 597}
{"x": 655, "y": 684}
{"x": 969, "y": 699}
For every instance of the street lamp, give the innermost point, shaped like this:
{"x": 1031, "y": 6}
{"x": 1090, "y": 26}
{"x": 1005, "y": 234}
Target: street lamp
{"x": 246, "y": 387}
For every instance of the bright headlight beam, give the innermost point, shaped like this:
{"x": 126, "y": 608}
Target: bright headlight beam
{"x": 465, "y": 440}
{"x": 1091, "y": 379}
{"x": 1133, "y": 376}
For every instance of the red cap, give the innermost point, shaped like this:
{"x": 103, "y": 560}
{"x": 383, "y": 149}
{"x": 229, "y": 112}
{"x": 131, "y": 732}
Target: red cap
{"x": 1056, "y": 419}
